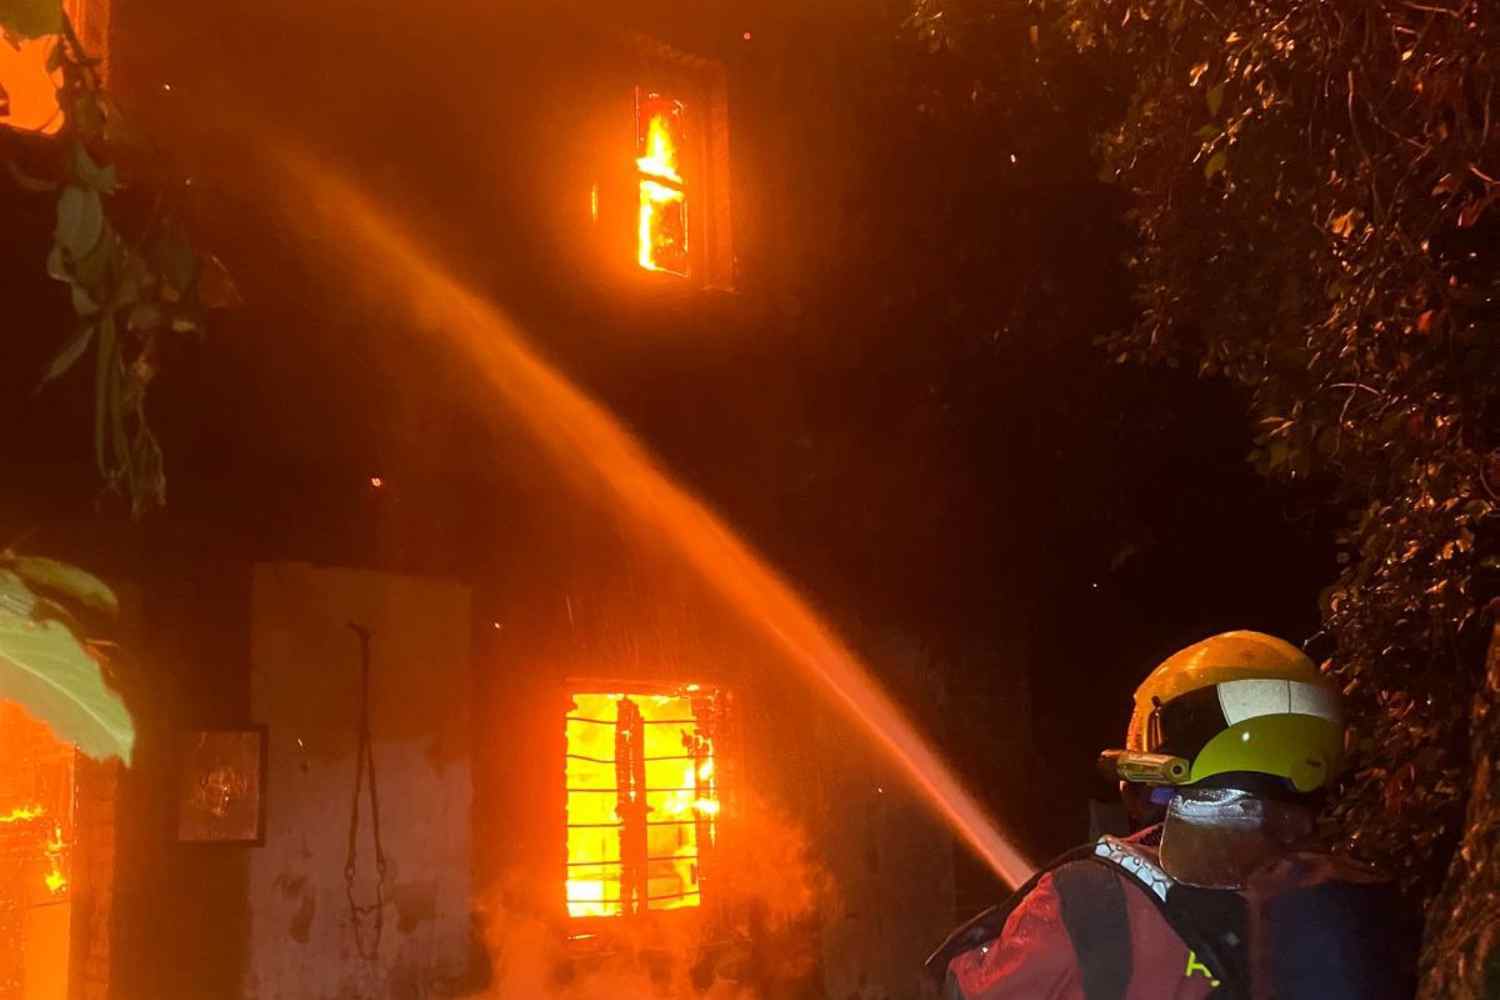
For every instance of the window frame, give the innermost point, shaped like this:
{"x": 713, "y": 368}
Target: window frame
{"x": 707, "y": 724}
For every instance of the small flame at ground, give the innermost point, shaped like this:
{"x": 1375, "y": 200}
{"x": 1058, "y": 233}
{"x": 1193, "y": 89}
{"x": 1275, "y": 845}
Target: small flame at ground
{"x": 23, "y": 814}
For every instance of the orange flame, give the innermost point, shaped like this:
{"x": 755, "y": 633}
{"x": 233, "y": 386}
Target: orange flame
{"x": 30, "y": 85}
{"x": 674, "y": 808}
{"x": 662, "y": 233}
{"x": 23, "y": 814}
{"x": 52, "y": 848}
{"x": 661, "y": 150}
{"x": 55, "y": 879}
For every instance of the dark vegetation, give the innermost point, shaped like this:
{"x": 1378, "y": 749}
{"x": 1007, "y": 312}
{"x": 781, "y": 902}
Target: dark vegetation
{"x": 1313, "y": 189}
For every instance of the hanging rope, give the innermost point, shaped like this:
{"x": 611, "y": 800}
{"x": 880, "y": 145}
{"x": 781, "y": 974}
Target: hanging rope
{"x": 364, "y": 763}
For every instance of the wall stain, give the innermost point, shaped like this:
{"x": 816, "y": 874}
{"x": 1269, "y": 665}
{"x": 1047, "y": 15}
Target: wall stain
{"x": 301, "y": 926}
{"x": 415, "y": 903}
{"x": 291, "y": 886}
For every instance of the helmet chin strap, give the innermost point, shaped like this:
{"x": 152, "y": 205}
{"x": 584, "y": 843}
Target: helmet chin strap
{"x": 1216, "y": 838}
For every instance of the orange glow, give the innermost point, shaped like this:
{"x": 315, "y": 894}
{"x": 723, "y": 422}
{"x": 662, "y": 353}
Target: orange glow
{"x": 661, "y": 242}
{"x": 55, "y": 880}
{"x": 30, "y": 85}
{"x": 586, "y": 440}
{"x": 23, "y": 814}
{"x": 31, "y": 88}
{"x": 641, "y": 803}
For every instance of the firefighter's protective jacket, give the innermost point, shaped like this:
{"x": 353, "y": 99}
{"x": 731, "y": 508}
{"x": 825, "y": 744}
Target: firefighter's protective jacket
{"x": 1100, "y": 925}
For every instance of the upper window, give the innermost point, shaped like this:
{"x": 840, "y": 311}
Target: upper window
{"x": 677, "y": 171}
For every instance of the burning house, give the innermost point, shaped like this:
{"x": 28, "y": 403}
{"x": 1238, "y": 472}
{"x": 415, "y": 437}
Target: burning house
{"x": 414, "y": 725}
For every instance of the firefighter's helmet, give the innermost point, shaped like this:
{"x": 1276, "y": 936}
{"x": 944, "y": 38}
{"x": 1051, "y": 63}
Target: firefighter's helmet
{"x": 1236, "y": 704}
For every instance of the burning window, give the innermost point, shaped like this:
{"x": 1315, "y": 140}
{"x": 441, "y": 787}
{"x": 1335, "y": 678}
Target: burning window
{"x": 642, "y": 800}
{"x": 660, "y": 141}
{"x": 36, "y": 832}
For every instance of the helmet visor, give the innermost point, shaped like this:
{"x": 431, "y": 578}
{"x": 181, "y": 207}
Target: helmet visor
{"x": 1183, "y": 726}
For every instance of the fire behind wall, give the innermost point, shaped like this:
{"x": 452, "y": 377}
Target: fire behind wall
{"x": 36, "y": 832}
{"x": 57, "y": 855}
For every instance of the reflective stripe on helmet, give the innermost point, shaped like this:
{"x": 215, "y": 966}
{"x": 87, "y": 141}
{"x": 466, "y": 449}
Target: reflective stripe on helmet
{"x": 1253, "y": 698}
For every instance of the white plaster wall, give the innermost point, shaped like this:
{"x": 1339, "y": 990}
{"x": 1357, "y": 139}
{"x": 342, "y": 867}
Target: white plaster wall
{"x": 305, "y": 687}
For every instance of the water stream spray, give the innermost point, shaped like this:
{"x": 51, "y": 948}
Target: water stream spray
{"x": 576, "y": 429}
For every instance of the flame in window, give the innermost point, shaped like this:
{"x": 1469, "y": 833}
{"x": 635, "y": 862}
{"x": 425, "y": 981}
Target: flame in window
{"x": 53, "y": 847}
{"x": 23, "y": 814}
{"x": 662, "y": 240}
{"x": 55, "y": 880}
{"x": 642, "y": 802}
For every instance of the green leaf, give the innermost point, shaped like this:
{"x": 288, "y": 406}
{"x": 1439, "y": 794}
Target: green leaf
{"x": 31, "y": 18}
{"x": 66, "y": 581}
{"x": 83, "y": 303}
{"x": 104, "y": 378}
{"x": 145, "y": 316}
{"x": 175, "y": 261}
{"x": 57, "y": 268}
{"x": 1208, "y": 132}
{"x": 49, "y": 673}
{"x": 80, "y": 220}
{"x": 89, "y": 175}
{"x": 1215, "y": 98}
{"x": 1216, "y": 164}
{"x": 23, "y": 180}
{"x": 70, "y": 353}
{"x": 94, "y": 269}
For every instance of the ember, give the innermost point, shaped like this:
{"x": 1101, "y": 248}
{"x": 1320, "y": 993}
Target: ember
{"x": 642, "y": 802}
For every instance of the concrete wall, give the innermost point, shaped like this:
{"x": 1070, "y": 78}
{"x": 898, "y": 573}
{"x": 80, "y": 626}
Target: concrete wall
{"x": 305, "y": 686}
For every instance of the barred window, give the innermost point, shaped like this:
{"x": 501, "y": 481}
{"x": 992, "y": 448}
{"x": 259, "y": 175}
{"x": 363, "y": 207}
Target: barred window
{"x": 642, "y": 800}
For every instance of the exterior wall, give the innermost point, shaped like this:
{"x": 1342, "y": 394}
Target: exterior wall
{"x": 892, "y": 865}
{"x": 305, "y": 684}
{"x": 178, "y": 926}
{"x": 890, "y": 858}
{"x": 97, "y": 787}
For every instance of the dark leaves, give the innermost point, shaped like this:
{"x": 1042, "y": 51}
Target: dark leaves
{"x": 1346, "y": 280}
{"x": 126, "y": 289}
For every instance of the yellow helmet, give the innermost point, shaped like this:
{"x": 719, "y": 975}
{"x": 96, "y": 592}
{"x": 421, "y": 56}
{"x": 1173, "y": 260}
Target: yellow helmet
{"x": 1235, "y": 703}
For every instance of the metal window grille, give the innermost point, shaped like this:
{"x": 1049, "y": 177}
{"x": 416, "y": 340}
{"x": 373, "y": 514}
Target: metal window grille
{"x": 642, "y": 801}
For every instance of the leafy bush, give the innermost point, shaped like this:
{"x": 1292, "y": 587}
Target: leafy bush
{"x": 1313, "y": 183}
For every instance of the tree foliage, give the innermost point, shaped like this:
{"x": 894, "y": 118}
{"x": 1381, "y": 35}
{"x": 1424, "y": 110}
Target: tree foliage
{"x": 133, "y": 277}
{"x": 1314, "y": 188}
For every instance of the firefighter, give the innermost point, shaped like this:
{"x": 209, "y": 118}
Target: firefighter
{"x": 1234, "y": 740}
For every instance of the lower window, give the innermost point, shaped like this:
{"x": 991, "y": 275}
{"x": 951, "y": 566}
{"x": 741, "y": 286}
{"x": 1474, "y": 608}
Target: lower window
{"x": 642, "y": 799}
